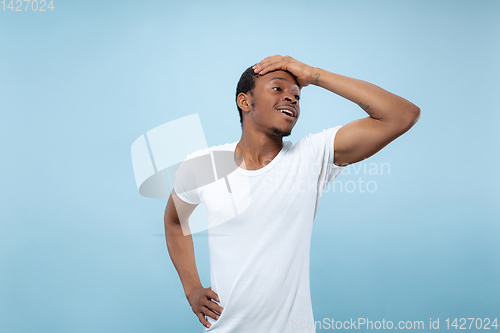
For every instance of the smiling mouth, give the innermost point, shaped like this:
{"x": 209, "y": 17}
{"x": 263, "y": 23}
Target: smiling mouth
{"x": 287, "y": 112}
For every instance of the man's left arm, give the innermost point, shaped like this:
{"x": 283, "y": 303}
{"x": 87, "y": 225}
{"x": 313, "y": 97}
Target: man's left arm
{"x": 389, "y": 115}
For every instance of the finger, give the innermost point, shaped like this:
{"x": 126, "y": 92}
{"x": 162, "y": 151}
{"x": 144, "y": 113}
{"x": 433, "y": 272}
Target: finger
{"x": 272, "y": 67}
{"x": 213, "y": 295}
{"x": 261, "y": 66}
{"x": 266, "y": 62}
{"x": 214, "y": 307}
{"x": 276, "y": 56}
{"x": 258, "y": 67}
{"x": 269, "y": 58}
{"x": 218, "y": 308}
{"x": 202, "y": 320}
{"x": 209, "y": 313}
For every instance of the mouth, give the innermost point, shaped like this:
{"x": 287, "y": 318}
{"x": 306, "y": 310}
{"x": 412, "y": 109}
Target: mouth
{"x": 288, "y": 111}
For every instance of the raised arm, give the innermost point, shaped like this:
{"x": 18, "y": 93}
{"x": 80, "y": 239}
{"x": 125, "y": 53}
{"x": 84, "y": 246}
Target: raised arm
{"x": 389, "y": 115}
{"x": 181, "y": 251}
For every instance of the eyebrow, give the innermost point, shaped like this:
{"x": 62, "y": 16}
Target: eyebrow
{"x": 282, "y": 79}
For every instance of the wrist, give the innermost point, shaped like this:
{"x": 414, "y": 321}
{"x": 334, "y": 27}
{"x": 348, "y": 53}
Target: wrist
{"x": 188, "y": 290}
{"x": 315, "y": 75}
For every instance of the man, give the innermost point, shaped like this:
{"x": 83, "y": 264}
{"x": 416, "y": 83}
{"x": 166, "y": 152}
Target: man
{"x": 260, "y": 258}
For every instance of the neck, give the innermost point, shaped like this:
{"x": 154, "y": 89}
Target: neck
{"x": 256, "y": 149}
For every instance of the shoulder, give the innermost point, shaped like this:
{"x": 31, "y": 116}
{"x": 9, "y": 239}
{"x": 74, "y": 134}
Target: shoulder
{"x": 319, "y": 139}
{"x": 208, "y": 150}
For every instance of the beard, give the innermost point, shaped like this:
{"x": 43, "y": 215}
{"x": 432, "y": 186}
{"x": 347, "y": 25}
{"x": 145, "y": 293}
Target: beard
{"x": 280, "y": 132}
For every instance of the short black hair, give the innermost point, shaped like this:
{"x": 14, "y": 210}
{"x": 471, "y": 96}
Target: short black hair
{"x": 245, "y": 85}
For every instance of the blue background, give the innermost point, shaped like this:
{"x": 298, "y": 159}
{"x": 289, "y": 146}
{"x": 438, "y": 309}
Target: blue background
{"x": 82, "y": 251}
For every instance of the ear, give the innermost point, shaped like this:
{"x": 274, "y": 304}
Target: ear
{"x": 244, "y": 101}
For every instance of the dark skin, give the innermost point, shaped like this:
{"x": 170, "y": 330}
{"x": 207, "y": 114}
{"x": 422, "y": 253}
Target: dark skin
{"x": 389, "y": 116}
{"x": 181, "y": 250}
{"x": 264, "y": 128}
{"x": 263, "y": 125}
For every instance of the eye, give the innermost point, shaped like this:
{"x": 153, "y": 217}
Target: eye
{"x": 297, "y": 97}
{"x": 277, "y": 88}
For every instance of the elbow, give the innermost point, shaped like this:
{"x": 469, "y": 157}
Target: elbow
{"x": 410, "y": 118}
{"x": 415, "y": 114}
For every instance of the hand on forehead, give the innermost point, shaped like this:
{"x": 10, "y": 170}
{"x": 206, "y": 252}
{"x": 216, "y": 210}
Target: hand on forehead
{"x": 279, "y": 75}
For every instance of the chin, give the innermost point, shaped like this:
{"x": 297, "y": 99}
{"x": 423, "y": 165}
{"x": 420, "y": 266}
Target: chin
{"x": 280, "y": 132}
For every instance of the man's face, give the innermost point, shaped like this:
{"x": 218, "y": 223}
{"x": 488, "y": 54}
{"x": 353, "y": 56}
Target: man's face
{"x": 274, "y": 103}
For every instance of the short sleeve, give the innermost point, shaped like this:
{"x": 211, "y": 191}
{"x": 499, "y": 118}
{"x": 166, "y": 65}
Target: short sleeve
{"x": 321, "y": 145}
{"x": 188, "y": 177}
{"x": 190, "y": 196}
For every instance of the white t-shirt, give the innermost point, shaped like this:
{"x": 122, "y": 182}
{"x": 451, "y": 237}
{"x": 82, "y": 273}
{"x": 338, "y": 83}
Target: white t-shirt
{"x": 260, "y": 225}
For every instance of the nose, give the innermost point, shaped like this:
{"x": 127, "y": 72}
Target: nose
{"x": 293, "y": 100}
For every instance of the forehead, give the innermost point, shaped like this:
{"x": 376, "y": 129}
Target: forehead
{"x": 278, "y": 76}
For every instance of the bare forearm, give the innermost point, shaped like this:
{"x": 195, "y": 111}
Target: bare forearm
{"x": 181, "y": 251}
{"x": 377, "y": 102}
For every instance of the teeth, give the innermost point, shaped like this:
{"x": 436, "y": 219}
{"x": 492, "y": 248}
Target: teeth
{"x": 288, "y": 112}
